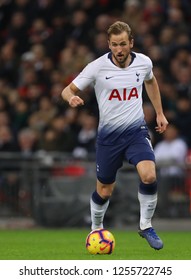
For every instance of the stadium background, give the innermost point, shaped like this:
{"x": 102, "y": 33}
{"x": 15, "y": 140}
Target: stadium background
{"x": 47, "y": 159}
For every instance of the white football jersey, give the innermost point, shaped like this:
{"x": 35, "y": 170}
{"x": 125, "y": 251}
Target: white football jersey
{"x": 118, "y": 90}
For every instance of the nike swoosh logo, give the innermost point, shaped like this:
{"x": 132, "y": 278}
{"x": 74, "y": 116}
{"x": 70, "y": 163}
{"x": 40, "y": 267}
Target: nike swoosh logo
{"x": 103, "y": 248}
{"x": 107, "y": 78}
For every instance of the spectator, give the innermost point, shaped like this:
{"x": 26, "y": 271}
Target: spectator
{"x": 49, "y": 140}
{"x": 39, "y": 32}
{"x": 7, "y": 143}
{"x": 170, "y": 155}
{"x": 132, "y": 13}
{"x": 100, "y": 44}
{"x": 20, "y": 115}
{"x": 166, "y": 40}
{"x": 27, "y": 142}
{"x": 29, "y": 79}
{"x": 9, "y": 63}
{"x": 66, "y": 137}
{"x": 3, "y": 103}
{"x": 80, "y": 26}
{"x": 41, "y": 118}
{"x": 86, "y": 138}
{"x": 4, "y": 118}
{"x": 17, "y": 31}
{"x": 171, "y": 151}
{"x": 183, "y": 117}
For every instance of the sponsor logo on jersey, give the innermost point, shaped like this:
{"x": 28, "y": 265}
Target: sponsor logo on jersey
{"x": 124, "y": 94}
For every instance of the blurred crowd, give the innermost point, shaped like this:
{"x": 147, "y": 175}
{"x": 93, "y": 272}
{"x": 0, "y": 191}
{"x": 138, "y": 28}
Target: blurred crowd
{"x": 44, "y": 44}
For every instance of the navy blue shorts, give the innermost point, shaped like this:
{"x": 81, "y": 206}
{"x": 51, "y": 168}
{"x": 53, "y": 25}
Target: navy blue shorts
{"x": 109, "y": 158}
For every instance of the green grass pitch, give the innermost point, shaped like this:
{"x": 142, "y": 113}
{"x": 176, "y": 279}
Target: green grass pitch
{"x": 69, "y": 244}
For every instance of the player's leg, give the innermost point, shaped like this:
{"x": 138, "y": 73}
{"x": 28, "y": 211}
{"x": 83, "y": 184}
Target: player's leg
{"x": 99, "y": 203}
{"x": 140, "y": 154}
{"x": 147, "y": 196}
{"x": 147, "y": 193}
{"x": 108, "y": 160}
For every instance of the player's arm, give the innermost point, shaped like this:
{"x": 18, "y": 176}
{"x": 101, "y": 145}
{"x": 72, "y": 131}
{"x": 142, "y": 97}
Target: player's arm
{"x": 153, "y": 92}
{"x": 69, "y": 94}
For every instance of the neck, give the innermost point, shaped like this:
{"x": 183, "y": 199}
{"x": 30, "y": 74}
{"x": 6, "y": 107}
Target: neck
{"x": 123, "y": 64}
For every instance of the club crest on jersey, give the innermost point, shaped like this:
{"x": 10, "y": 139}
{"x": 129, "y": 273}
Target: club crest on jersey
{"x": 137, "y": 74}
{"x": 124, "y": 95}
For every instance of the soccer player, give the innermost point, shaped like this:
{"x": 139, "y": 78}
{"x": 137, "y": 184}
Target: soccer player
{"x": 118, "y": 77}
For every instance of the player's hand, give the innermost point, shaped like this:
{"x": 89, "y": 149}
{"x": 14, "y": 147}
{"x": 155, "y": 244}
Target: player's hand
{"x": 76, "y": 101}
{"x": 161, "y": 124}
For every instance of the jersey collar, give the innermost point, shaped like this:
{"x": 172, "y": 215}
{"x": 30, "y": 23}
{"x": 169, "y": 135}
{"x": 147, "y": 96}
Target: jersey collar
{"x": 133, "y": 55}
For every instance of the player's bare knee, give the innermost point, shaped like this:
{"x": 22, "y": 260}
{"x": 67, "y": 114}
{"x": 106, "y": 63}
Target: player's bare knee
{"x": 148, "y": 178}
{"x": 105, "y": 191}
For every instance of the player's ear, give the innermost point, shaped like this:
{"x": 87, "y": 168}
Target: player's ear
{"x": 131, "y": 43}
{"x": 109, "y": 44}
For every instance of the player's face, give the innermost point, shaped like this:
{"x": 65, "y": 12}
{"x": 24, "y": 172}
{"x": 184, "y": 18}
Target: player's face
{"x": 120, "y": 46}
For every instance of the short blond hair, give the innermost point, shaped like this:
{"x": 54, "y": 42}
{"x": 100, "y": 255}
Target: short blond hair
{"x": 118, "y": 27}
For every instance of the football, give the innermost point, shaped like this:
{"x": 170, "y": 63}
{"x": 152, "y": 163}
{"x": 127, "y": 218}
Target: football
{"x": 100, "y": 241}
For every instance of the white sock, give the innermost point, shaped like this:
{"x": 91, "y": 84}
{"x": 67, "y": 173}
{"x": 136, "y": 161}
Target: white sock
{"x": 147, "y": 208}
{"x": 97, "y": 214}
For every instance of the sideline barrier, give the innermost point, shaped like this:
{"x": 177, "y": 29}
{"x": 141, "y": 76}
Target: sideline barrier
{"x": 55, "y": 189}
